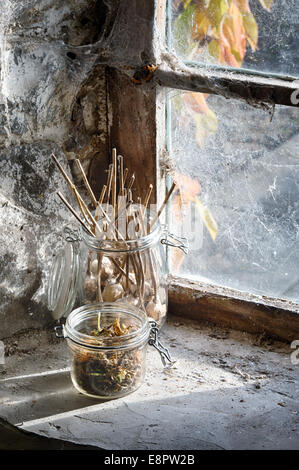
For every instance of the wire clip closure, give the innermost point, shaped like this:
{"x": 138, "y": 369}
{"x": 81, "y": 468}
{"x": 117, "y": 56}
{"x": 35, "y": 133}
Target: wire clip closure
{"x": 154, "y": 341}
{"x": 179, "y": 242}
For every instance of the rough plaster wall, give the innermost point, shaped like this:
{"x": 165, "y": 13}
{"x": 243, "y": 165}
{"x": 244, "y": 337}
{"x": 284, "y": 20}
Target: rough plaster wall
{"x": 50, "y": 101}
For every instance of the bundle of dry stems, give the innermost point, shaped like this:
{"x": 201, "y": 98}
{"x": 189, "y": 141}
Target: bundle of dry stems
{"x": 130, "y": 276}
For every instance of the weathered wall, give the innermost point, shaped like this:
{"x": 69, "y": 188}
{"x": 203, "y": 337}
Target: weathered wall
{"x": 50, "y": 101}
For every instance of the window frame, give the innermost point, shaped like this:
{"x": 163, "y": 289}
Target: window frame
{"x": 136, "y": 104}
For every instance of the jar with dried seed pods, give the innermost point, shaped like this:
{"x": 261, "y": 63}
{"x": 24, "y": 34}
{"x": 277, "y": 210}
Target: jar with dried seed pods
{"x": 91, "y": 270}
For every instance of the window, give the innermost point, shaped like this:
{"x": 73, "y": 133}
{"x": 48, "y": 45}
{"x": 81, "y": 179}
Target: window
{"x": 246, "y": 175}
{"x": 232, "y": 127}
{"x": 257, "y": 35}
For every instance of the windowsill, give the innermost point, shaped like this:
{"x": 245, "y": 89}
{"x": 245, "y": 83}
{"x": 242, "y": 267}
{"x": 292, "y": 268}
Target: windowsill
{"x": 227, "y": 390}
{"x": 234, "y": 309}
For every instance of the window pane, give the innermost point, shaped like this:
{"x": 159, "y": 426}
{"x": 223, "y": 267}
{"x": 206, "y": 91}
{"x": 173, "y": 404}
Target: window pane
{"x": 260, "y": 35}
{"x": 239, "y": 178}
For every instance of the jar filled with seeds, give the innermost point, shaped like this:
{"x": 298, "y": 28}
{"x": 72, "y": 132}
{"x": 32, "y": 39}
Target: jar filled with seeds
{"x": 91, "y": 270}
{"x": 107, "y": 343}
{"x": 118, "y": 253}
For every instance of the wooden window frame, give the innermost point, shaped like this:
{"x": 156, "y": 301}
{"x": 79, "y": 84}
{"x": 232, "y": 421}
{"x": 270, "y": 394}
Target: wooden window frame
{"x": 139, "y": 68}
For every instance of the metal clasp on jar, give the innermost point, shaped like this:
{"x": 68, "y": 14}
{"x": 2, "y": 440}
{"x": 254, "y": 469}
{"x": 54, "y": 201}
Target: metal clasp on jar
{"x": 179, "y": 242}
{"x": 59, "y": 331}
{"x": 154, "y": 341}
{"x": 71, "y": 235}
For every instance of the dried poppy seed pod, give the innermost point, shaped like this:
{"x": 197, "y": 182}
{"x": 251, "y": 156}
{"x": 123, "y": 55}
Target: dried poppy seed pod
{"x": 156, "y": 310}
{"x": 94, "y": 267}
{"x": 108, "y": 270}
{"x": 112, "y": 292}
{"x": 148, "y": 291}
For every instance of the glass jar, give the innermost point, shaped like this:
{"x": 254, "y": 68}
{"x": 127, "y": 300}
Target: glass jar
{"x": 92, "y": 270}
{"x": 105, "y": 366}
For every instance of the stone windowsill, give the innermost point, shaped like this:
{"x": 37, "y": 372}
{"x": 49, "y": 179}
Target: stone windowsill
{"x": 227, "y": 390}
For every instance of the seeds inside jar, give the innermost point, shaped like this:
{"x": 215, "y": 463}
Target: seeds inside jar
{"x": 111, "y": 372}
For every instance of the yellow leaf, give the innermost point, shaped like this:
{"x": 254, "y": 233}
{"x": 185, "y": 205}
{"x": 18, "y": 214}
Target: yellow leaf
{"x": 266, "y": 4}
{"x": 187, "y": 3}
{"x": 206, "y": 124}
{"x": 207, "y": 218}
{"x": 243, "y": 5}
{"x": 201, "y": 24}
{"x": 251, "y": 29}
{"x": 233, "y": 36}
{"x": 216, "y": 10}
{"x": 214, "y": 49}
{"x": 211, "y": 121}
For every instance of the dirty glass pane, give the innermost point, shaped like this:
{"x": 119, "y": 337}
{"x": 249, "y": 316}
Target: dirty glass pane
{"x": 238, "y": 170}
{"x": 260, "y": 35}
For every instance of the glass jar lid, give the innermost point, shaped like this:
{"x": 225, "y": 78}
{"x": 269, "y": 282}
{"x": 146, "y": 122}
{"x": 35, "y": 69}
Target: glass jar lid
{"x": 83, "y": 326}
{"x": 63, "y": 281}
